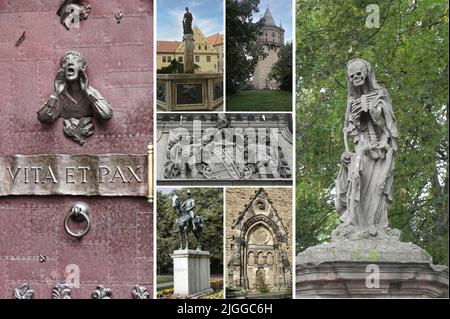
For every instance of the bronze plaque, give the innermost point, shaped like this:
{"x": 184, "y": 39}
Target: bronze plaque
{"x": 85, "y": 175}
{"x": 190, "y": 93}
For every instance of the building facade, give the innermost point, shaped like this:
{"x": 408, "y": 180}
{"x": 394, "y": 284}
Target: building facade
{"x": 208, "y": 52}
{"x": 258, "y": 241}
{"x": 271, "y": 38}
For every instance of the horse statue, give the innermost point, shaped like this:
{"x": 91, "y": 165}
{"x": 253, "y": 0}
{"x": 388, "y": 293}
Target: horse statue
{"x": 185, "y": 224}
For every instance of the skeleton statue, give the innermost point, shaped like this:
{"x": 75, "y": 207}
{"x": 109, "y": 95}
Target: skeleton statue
{"x": 74, "y": 99}
{"x": 364, "y": 182}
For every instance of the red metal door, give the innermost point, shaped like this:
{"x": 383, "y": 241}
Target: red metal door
{"x": 117, "y": 252}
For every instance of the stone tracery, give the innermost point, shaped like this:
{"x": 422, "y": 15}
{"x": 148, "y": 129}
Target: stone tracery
{"x": 259, "y": 247}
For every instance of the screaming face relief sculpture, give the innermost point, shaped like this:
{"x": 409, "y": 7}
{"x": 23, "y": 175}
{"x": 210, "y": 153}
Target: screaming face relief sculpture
{"x": 75, "y": 100}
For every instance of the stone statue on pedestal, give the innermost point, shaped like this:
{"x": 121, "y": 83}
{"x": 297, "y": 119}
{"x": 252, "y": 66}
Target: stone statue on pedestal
{"x": 366, "y": 258}
{"x": 189, "y": 42}
{"x": 364, "y": 182}
{"x": 187, "y": 22}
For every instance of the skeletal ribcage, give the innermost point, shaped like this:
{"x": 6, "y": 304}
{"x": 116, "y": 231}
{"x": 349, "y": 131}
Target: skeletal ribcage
{"x": 356, "y": 112}
{"x": 361, "y": 104}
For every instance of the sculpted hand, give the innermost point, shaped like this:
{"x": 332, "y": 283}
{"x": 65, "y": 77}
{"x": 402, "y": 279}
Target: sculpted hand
{"x": 60, "y": 83}
{"x": 84, "y": 82}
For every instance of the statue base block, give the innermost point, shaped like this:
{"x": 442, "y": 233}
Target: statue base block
{"x": 190, "y": 92}
{"x": 191, "y": 272}
{"x": 372, "y": 267}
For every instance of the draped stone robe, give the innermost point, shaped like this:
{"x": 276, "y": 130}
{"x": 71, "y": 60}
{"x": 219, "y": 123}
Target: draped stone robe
{"x": 364, "y": 182}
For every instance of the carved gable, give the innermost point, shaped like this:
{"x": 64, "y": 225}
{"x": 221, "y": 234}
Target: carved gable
{"x": 259, "y": 211}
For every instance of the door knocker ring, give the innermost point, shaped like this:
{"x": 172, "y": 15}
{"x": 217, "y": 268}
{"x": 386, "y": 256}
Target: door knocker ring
{"x": 78, "y": 213}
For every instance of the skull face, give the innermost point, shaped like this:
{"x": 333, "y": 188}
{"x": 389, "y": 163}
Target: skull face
{"x": 357, "y": 73}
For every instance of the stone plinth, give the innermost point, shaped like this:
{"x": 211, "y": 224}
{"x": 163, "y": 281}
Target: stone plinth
{"x": 189, "y": 43}
{"x": 191, "y": 272}
{"x": 190, "y": 92}
{"x": 370, "y": 267}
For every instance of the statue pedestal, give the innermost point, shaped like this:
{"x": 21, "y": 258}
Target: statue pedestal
{"x": 369, "y": 268}
{"x": 191, "y": 272}
{"x": 188, "y": 40}
{"x": 189, "y": 92}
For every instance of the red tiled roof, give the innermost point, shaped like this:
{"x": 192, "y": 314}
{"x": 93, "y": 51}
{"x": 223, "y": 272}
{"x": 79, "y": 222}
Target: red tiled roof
{"x": 215, "y": 39}
{"x": 167, "y": 46}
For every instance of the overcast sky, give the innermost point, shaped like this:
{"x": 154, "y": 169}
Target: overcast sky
{"x": 208, "y": 16}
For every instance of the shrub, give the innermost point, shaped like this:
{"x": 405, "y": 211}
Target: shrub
{"x": 165, "y": 293}
{"x": 217, "y": 284}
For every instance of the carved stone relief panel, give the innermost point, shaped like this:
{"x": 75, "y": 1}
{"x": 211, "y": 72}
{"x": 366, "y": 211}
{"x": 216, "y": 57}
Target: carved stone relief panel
{"x": 232, "y": 148}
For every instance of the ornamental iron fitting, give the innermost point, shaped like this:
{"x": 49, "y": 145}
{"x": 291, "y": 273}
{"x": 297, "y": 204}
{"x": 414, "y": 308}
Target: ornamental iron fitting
{"x": 102, "y": 293}
{"x": 79, "y": 213}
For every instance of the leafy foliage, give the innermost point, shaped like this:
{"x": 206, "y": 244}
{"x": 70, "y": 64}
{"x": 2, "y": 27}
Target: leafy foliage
{"x": 409, "y": 54}
{"x": 209, "y": 206}
{"x": 79, "y": 129}
{"x": 174, "y": 67}
{"x": 260, "y": 100}
{"x": 242, "y": 50}
{"x": 282, "y": 69}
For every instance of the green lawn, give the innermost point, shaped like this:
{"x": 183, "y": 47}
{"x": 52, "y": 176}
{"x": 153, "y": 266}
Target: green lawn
{"x": 164, "y": 278}
{"x": 260, "y": 100}
{"x": 167, "y": 280}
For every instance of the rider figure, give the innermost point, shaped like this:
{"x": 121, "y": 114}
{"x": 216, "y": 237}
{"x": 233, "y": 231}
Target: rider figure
{"x": 188, "y": 206}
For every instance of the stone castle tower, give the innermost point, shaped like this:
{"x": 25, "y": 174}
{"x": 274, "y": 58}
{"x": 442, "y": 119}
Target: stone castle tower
{"x": 271, "y": 38}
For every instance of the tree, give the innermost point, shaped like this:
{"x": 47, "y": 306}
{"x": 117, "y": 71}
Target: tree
{"x": 409, "y": 54}
{"x": 282, "y": 69}
{"x": 242, "y": 50}
{"x": 174, "y": 67}
{"x": 209, "y": 206}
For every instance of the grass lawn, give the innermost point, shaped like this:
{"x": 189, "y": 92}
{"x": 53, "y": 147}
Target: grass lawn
{"x": 161, "y": 279}
{"x": 164, "y": 278}
{"x": 260, "y": 100}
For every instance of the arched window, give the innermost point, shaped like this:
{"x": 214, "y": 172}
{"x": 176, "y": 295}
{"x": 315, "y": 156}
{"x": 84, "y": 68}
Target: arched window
{"x": 251, "y": 258}
{"x": 260, "y": 258}
{"x": 269, "y": 258}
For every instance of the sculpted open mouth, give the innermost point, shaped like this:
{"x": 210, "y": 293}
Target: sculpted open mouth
{"x": 70, "y": 71}
{"x": 358, "y": 82}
